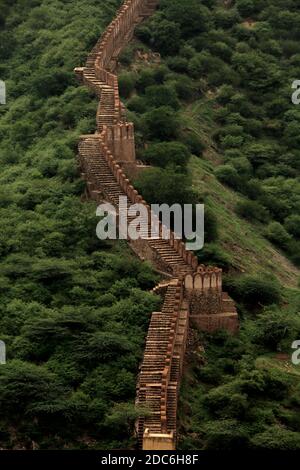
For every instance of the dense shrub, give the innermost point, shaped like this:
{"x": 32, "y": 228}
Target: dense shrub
{"x": 165, "y": 186}
{"x": 227, "y": 174}
{"x": 254, "y": 290}
{"x": 190, "y": 15}
{"x": 161, "y": 123}
{"x": 146, "y": 77}
{"x": 292, "y": 225}
{"x": 252, "y": 210}
{"x": 185, "y": 88}
{"x": 248, "y": 7}
{"x": 126, "y": 56}
{"x": 243, "y": 167}
{"x": 126, "y": 84}
{"x": 161, "y": 95}
{"x": 277, "y": 234}
{"x": 166, "y": 154}
{"x": 51, "y": 83}
{"x": 193, "y": 142}
{"x": 161, "y": 34}
{"x": 276, "y": 438}
{"x": 276, "y": 329}
{"x": 178, "y": 64}
{"x": 226, "y": 18}
{"x": 137, "y": 104}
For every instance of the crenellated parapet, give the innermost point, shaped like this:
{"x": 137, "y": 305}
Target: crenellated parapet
{"x": 119, "y": 138}
{"x": 205, "y": 279}
{"x": 103, "y": 143}
{"x": 193, "y": 293}
{"x": 161, "y": 370}
{"x": 210, "y": 308}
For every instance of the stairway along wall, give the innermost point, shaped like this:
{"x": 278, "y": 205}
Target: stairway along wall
{"x": 192, "y": 292}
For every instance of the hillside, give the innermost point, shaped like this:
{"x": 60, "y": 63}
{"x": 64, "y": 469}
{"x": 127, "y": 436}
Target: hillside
{"x": 242, "y": 243}
{"x": 74, "y": 311}
{"x": 228, "y": 142}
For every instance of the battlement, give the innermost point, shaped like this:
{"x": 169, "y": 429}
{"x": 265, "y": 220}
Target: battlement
{"x": 119, "y": 138}
{"x": 204, "y": 279}
{"x": 193, "y": 292}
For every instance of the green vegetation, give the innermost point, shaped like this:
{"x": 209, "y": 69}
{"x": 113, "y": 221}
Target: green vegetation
{"x": 241, "y": 391}
{"x": 167, "y": 154}
{"x": 215, "y": 120}
{"x": 231, "y": 69}
{"x": 238, "y": 63}
{"x": 73, "y": 310}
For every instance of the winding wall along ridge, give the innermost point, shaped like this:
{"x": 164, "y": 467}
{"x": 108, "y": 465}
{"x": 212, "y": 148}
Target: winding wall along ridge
{"x": 192, "y": 292}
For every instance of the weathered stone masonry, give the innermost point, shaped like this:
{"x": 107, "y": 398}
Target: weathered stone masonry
{"x": 191, "y": 293}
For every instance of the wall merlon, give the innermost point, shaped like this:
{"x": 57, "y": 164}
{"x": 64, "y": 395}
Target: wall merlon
{"x": 196, "y": 289}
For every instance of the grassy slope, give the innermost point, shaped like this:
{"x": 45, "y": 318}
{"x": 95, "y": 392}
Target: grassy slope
{"x": 248, "y": 250}
{"x": 225, "y": 361}
{"x": 65, "y": 297}
{"x": 237, "y": 392}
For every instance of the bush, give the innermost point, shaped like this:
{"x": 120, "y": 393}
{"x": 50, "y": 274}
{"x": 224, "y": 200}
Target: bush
{"x": 210, "y": 374}
{"x": 221, "y": 50}
{"x": 243, "y": 167}
{"x": 184, "y": 87}
{"x": 225, "y": 94}
{"x": 51, "y": 83}
{"x": 126, "y": 84}
{"x": 229, "y": 141}
{"x": 254, "y": 291}
{"x": 126, "y": 56}
{"x": 143, "y": 33}
{"x": 190, "y": 15}
{"x": 162, "y": 33}
{"x": 167, "y": 153}
{"x": 226, "y": 435}
{"x": 293, "y": 250}
{"x": 276, "y": 328}
{"x": 256, "y": 71}
{"x": 145, "y": 78}
{"x": 277, "y": 234}
{"x": 228, "y": 175}
{"x": 161, "y": 123}
{"x": 137, "y": 104}
{"x": 253, "y": 189}
{"x": 252, "y": 210}
{"x": 254, "y": 127}
{"x": 226, "y": 18}
{"x": 160, "y": 186}
{"x": 246, "y": 7}
{"x": 292, "y": 225}
{"x": 178, "y": 64}
{"x": 162, "y": 95}
{"x": 203, "y": 63}
{"x": 160, "y": 73}
{"x": 193, "y": 142}
{"x": 225, "y": 402}
{"x": 23, "y": 385}
{"x": 276, "y": 438}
